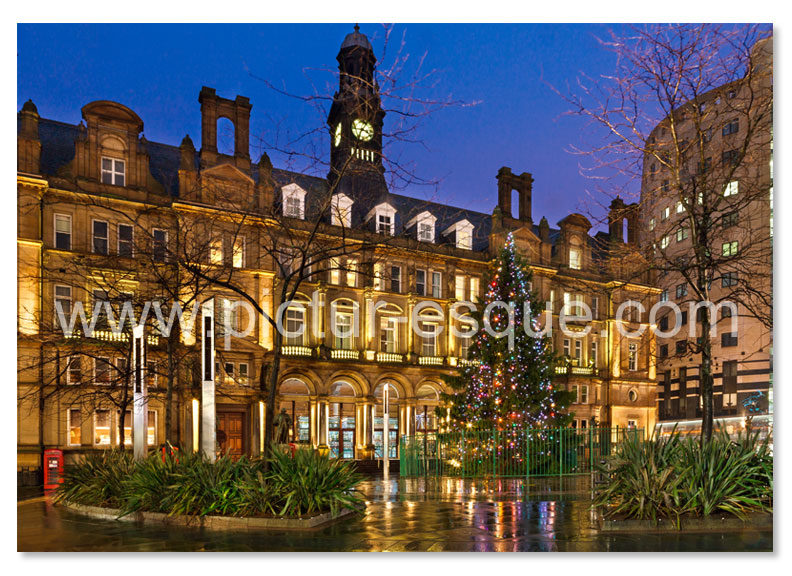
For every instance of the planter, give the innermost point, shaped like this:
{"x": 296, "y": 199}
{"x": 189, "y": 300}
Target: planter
{"x": 212, "y": 522}
{"x": 719, "y": 523}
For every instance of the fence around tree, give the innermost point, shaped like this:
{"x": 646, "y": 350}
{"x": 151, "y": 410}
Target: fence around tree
{"x": 509, "y": 454}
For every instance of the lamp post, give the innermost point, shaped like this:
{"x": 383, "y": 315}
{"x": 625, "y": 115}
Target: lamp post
{"x": 139, "y": 393}
{"x": 385, "y": 432}
{"x": 208, "y": 430}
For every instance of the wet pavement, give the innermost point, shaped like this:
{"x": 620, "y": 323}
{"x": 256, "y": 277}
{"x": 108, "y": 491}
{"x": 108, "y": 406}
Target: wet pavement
{"x": 401, "y": 515}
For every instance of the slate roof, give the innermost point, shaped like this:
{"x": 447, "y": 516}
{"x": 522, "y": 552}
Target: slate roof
{"x": 58, "y": 148}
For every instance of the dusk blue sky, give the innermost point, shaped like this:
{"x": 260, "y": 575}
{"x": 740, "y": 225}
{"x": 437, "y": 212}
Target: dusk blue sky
{"x": 158, "y": 71}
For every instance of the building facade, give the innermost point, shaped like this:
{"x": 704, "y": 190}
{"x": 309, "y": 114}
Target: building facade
{"x": 709, "y": 173}
{"x": 106, "y": 216}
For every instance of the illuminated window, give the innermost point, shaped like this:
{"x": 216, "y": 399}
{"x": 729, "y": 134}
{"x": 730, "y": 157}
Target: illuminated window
{"x": 74, "y": 426}
{"x": 632, "y": 357}
{"x": 102, "y": 428}
{"x": 295, "y": 325}
{"x": 238, "y": 254}
{"x": 679, "y": 208}
{"x": 335, "y": 271}
{"x": 666, "y": 213}
{"x": 113, "y": 171}
{"x": 293, "y": 201}
{"x": 437, "y": 290}
{"x": 341, "y": 210}
{"x": 151, "y": 432}
{"x": 216, "y": 251}
{"x": 460, "y": 283}
{"x": 651, "y": 224}
{"x": 731, "y": 188}
{"x": 664, "y": 242}
{"x": 730, "y": 248}
{"x": 429, "y": 340}
{"x": 425, "y": 232}
{"x": 474, "y": 288}
{"x": 351, "y": 272}
{"x": 343, "y": 331}
{"x": 575, "y": 258}
{"x": 74, "y": 370}
{"x": 388, "y": 334}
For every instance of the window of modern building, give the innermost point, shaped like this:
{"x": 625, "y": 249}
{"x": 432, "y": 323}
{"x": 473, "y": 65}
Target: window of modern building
{"x": 651, "y": 224}
{"x": 664, "y": 295}
{"x": 730, "y": 219}
{"x": 731, "y": 189}
{"x": 730, "y": 157}
{"x": 731, "y": 127}
{"x": 74, "y": 427}
{"x": 679, "y": 207}
{"x": 730, "y": 248}
{"x": 125, "y": 241}
{"x": 664, "y": 242}
{"x": 728, "y": 279}
{"x": 100, "y": 243}
{"x": 63, "y": 230}
{"x": 681, "y": 346}
{"x": 113, "y": 171}
{"x": 730, "y": 383}
{"x": 102, "y": 428}
{"x": 160, "y": 248}
{"x": 681, "y": 290}
{"x": 682, "y": 234}
{"x": 728, "y": 339}
{"x": 665, "y": 213}
{"x": 238, "y": 252}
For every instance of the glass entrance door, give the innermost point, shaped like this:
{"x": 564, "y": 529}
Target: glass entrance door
{"x": 393, "y": 433}
{"x": 341, "y": 433}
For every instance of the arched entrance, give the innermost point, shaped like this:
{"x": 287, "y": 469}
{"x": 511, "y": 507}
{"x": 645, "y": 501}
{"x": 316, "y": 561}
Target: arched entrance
{"x": 295, "y": 399}
{"x": 427, "y": 400}
{"x": 341, "y": 421}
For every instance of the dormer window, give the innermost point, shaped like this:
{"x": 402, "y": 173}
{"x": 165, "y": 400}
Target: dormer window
{"x": 384, "y": 218}
{"x": 293, "y": 201}
{"x": 575, "y": 255}
{"x": 113, "y": 171}
{"x": 385, "y": 224}
{"x": 341, "y": 210}
{"x": 463, "y": 234}
{"x": 425, "y": 226}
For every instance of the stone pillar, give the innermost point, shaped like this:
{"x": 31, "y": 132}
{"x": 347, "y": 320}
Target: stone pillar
{"x": 208, "y": 415}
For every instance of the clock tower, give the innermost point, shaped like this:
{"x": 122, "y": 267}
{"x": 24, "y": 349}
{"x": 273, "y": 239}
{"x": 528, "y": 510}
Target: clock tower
{"x": 355, "y": 118}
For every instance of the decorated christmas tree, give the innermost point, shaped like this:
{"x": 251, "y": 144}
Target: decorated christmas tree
{"x": 507, "y": 383}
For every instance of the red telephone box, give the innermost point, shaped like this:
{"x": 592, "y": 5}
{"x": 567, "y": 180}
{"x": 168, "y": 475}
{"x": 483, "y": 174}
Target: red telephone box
{"x": 53, "y": 468}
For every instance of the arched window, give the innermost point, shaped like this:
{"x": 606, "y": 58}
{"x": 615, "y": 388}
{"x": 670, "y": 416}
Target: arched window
{"x": 226, "y": 134}
{"x": 113, "y": 167}
{"x": 428, "y": 400}
{"x": 392, "y": 421}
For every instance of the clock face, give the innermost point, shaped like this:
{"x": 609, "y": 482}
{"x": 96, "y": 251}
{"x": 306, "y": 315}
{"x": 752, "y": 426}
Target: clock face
{"x": 337, "y": 136}
{"x": 362, "y": 130}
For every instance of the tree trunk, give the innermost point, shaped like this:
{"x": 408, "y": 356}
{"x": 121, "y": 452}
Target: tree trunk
{"x": 706, "y": 382}
{"x": 272, "y": 392}
{"x": 169, "y": 394}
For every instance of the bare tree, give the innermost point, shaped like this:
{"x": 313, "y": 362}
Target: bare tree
{"x": 688, "y": 115}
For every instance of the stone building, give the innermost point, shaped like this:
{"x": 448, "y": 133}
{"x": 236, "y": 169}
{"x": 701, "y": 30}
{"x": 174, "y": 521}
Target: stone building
{"x": 107, "y": 216}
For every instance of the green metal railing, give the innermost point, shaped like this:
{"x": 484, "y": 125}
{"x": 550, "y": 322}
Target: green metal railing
{"x": 509, "y": 454}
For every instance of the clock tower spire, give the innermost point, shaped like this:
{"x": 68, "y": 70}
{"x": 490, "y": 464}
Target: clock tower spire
{"x": 356, "y": 115}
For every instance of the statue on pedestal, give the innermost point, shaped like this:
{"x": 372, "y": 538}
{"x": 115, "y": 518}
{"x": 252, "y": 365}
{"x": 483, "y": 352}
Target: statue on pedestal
{"x": 283, "y": 423}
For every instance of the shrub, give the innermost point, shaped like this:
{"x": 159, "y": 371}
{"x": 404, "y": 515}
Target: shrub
{"x": 310, "y": 483}
{"x": 98, "y": 480}
{"x": 189, "y": 484}
{"x": 667, "y": 477}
